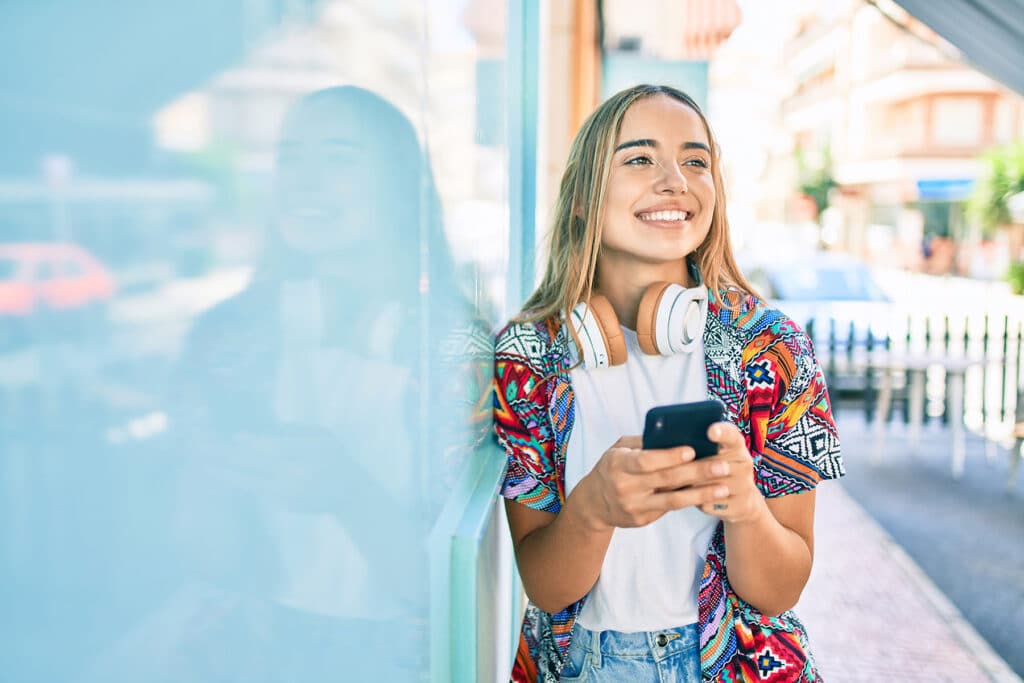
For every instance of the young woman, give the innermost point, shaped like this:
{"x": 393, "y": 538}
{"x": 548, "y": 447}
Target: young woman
{"x": 651, "y": 565}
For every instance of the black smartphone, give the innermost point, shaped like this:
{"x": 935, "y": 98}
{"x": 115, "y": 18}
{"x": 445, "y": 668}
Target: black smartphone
{"x": 683, "y": 424}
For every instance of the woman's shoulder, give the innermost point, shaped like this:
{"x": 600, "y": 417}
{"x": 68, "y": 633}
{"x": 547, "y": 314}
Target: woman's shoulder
{"x": 750, "y": 314}
{"x": 760, "y": 328}
{"x": 525, "y": 339}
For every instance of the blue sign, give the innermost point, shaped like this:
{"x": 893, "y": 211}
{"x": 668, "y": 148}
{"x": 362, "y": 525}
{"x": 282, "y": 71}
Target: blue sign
{"x": 944, "y": 189}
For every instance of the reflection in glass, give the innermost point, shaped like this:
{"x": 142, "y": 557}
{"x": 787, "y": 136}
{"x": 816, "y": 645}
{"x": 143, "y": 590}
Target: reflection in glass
{"x": 277, "y": 526}
{"x": 313, "y": 421}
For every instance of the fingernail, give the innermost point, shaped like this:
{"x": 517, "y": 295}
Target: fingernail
{"x": 688, "y": 454}
{"x": 720, "y": 468}
{"x": 721, "y": 492}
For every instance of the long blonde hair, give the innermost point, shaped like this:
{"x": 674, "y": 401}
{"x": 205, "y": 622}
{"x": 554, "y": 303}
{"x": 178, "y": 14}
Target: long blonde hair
{"x": 575, "y": 235}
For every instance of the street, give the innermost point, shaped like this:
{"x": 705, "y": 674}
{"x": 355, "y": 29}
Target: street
{"x": 966, "y": 535}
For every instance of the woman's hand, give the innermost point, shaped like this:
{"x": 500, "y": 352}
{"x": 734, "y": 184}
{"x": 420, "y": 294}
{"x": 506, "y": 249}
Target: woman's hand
{"x": 733, "y": 468}
{"x": 631, "y": 487}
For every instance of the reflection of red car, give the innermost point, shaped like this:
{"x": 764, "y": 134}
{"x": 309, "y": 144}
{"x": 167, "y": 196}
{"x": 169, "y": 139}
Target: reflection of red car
{"x": 58, "y": 276}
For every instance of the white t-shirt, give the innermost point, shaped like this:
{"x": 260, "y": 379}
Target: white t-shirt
{"x": 650, "y": 576}
{"x": 325, "y": 572}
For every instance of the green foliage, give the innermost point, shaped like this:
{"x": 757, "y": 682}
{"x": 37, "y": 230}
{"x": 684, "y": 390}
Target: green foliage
{"x": 816, "y": 182}
{"x": 1001, "y": 177}
{"x": 1015, "y": 276}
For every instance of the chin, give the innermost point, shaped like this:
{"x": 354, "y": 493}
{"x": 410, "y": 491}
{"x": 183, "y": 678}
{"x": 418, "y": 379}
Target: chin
{"x": 662, "y": 257}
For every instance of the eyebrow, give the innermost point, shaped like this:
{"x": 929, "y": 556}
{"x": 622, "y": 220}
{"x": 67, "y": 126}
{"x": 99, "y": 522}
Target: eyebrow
{"x": 647, "y": 142}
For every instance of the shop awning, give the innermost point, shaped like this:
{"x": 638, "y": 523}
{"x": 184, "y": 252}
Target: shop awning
{"x": 707, "y": 24}
{"x": 989, "y": 33}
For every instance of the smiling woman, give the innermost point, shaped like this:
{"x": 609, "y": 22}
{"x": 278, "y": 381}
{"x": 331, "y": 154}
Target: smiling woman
{"x": 640, "y": 261}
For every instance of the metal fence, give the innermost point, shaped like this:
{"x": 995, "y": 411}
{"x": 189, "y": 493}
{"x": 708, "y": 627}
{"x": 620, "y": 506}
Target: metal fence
{"x": 983, "y": 350}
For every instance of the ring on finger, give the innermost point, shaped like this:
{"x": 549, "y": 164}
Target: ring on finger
{"x": 719, "y": 506}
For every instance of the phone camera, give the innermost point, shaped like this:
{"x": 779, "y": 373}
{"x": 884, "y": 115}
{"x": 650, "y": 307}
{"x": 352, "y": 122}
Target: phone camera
{"x": 659, "y": 423}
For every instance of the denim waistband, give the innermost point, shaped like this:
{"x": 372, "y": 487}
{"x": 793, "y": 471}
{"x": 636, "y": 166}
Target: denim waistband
{"x": 657, "y": 645}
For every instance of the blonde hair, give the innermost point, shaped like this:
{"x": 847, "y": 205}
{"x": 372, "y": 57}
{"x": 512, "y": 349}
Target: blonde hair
{"x": 575, "y": 235}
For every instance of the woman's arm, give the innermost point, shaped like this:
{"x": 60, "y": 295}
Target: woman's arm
{"x": 770, "y": 555}
{"x": 560, "y": 555}
{"x": 769, "y": 543}
{"x": 546, "y": 542}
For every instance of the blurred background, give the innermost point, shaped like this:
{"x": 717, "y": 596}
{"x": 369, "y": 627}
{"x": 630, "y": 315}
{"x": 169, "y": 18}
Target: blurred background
{"x": 253, "y": 252}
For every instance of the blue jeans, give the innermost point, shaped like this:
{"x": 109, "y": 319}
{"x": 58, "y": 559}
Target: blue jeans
{"x": 666, "y": 656}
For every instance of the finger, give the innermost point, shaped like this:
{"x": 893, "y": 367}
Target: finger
{"x": 636, "y": 442}
{"x": 726, "y": 435}
{"x": 716, "y": 509}
{"x": 693, "y": 496}
{"x": 703, "y": 471}
{"x": 720, "y": 507}
{"x": 654, "y": 460}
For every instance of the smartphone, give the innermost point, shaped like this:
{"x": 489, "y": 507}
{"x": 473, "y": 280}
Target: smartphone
{"x": 683, "y": 424}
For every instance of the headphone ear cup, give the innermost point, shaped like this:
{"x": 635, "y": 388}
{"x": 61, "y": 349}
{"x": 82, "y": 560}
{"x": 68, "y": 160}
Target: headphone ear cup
{"x": 611, "y": 332}
{"x": 647, "y": 318}
{"x": 600, "y": 337}
{"x": 671, "y": 318}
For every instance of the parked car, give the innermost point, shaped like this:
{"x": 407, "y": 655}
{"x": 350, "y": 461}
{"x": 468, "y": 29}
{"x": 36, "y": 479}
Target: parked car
{"x": 44, "y": 282}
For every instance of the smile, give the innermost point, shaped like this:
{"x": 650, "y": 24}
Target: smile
{"x": 665, "y": 216}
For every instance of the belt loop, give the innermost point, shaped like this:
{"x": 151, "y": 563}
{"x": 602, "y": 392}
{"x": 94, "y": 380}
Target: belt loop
{"x": 595, "y": 648}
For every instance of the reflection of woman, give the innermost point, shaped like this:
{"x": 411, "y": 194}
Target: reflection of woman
{"x": 648, "y": 565}
{"x": 309, "y": 437}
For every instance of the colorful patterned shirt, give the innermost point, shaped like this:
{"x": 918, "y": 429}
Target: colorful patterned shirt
{"x": 761, "y": 366}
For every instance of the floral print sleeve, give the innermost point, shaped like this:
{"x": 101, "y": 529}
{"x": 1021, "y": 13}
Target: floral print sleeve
{"x": 533, "y": 414}
{"x": 792, "y": 433}
{"x": 521, "y": 419}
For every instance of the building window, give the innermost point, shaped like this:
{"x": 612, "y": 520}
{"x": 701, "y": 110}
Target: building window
{"x": 957, "y": 121}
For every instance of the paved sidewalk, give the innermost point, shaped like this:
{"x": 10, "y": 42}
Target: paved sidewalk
{"x": 873, "y": 615}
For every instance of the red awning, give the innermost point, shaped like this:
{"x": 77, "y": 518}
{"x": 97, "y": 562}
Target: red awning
{"x": 707, "y": 24}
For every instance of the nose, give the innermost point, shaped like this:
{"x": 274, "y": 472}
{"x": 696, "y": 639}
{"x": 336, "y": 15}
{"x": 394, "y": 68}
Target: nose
{"x": 672, "y": 180}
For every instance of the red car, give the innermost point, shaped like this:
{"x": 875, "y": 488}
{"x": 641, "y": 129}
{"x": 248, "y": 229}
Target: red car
{"x": 57, "y": 276}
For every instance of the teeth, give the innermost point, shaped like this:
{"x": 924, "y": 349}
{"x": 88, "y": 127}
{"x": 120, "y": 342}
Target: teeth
{"x": 665, "y": 216}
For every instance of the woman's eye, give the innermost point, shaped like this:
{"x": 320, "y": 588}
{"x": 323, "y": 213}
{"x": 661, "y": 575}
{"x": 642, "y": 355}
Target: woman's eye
{"x": 638, "y": 161}
{"x": 698, "y": 162}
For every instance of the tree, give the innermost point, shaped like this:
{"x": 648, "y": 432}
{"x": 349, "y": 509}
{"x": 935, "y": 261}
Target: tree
{"x": 1002, "y": 177}
{"x": 816, "y": 181}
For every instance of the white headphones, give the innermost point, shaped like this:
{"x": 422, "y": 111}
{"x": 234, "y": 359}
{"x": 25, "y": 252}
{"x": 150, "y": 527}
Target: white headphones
{"x": 670, "y": 320}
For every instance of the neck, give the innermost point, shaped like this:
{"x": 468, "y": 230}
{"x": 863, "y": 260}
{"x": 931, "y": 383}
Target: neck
{"x": 624, "y": 284}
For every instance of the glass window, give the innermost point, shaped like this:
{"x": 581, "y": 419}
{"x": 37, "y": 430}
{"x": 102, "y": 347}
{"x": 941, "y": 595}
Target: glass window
{"x": 236, "y": 449}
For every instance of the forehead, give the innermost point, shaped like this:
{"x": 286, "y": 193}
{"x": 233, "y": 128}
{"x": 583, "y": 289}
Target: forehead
{"x": 664, "y": 118}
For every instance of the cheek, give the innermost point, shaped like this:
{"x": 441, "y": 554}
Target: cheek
{"x": 617, "y": 198}
{"x": 705, "y": 186}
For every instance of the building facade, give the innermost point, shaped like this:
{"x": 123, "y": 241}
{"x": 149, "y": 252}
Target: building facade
{"x": 887, "y": 114}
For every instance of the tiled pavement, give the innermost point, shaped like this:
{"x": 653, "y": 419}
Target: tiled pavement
{"x": 873, "y": 615}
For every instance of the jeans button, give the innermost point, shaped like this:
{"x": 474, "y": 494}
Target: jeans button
{"x": 662, "y": 640}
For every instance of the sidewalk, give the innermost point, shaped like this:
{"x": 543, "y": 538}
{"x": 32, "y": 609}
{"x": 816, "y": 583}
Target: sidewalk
{"x": 873, "y": 615}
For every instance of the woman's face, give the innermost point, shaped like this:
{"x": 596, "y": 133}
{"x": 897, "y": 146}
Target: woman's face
{"x": 330, "y": 179}
{"x": 661, "y": 194}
